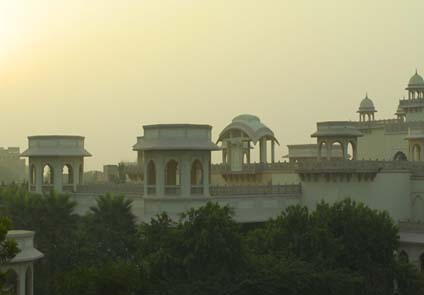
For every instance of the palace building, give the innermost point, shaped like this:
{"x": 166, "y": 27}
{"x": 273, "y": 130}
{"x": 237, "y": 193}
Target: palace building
{"x": 377, "y": 162}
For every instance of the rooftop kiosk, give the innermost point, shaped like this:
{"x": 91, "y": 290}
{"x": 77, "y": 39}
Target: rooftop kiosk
{"x": 329, "y": 134}
{"x": 55, "y": 162}
{"x": 19, "y": 270}
{"x": 176, "y": 159}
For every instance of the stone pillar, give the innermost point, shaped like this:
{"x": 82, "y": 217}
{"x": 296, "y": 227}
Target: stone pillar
{"x": 75, "y": 175}
{"x": 355, "y": 150}
{"x": 38, "y": 176}
{"x": 57, "y": 176}
{"x": 248, "y": 152}
{"x": 21, "y": 281}
{"x": 185, "y": 173}
{"x": 262, "y": 150}
{"x": 160, "y": 181}
{"x": 206, "y": 172}
{"x": 344, "y": 148}
{"x": 421, "y": 151}
{"x": 224, "y": 156}
{"x": 272, "y": 151}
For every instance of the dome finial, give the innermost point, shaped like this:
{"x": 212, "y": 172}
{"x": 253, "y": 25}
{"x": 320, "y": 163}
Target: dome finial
{"x": 366, "y": 94}
{"x": 416, "y": 71}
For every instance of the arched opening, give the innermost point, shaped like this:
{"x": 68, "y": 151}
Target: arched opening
{"x": 403, "y": 256}
{"x": 48, "y": 175}
{"x": 28, "y": 281}
{"x": 399, "y": 156}
{"x": 197, "y": 177}
{"x": 11, "y": 282}
{"x": 323, "y": 150}
{"x": 337, "y": 151}
{"x": 172, "y": 178}
{"x": 422, "y": 262}
{"x": 416, "y": 152}
{"x": 351, "y": 153}
{"x": 67, "y": 175}
{"x": 32, "y": 175}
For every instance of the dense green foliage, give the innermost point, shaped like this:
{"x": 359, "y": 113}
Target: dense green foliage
{"x": 344, "y": 248}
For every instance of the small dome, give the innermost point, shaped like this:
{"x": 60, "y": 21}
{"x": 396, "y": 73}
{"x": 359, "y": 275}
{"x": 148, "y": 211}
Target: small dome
{"x": 366, "y": 105}
{"x": 416, "y": 80}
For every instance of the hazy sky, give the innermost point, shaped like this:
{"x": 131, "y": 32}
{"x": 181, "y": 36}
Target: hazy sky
{"x": 102, "y": 69}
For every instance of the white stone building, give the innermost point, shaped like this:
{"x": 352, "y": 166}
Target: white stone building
{"x": 377, "y": 162}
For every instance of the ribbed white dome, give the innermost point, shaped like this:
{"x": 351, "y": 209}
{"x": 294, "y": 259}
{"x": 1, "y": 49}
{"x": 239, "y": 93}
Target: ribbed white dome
{"x": 416, "y": 80}
{"x": 366, "y": 105}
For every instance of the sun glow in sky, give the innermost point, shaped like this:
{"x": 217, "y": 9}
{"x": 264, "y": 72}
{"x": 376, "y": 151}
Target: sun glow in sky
{"x": 102, "y": 69}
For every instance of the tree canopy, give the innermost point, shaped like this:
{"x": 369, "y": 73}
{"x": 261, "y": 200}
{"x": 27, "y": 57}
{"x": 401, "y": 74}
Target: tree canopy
{"x": 342, "y": 248}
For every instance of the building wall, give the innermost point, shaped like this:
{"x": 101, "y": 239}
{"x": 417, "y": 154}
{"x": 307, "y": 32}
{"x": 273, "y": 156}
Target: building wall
{"x": 377, "y": 144}
{"x": 12, "y": 167}
{"x": 388, "y": 191}
{"x": 246, "y": 208}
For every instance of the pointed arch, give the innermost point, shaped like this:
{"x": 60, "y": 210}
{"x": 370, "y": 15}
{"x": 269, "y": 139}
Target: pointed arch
{"x": 196, "y": 173}
{"x": 172, "y": 173}
{"x": 67, "y": 174}
{"x": 48, "y": 175}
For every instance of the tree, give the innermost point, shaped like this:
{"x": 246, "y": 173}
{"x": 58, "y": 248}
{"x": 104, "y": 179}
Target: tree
{"x": 53, "y": 219}
{"x": 109, "y": 231}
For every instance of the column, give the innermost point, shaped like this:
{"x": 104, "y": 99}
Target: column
{"x": 421, "y": 152}
{"x": 38, "y": 176}
{"x": 248, "y": 152}
{"x": 57, "y": 176}
{"x": 185, "y": 173}
{"x": 262, "y": 150}
{"x": 146, "y": 162}
{"x": 344, "y": 148}
{"x": 160, "y": 181}
{"x": 206, "y": 172}
{"x": 75, "y": 175}
{"x": 224, "y": 156}
{"x": 21, "y": 281}
{"x": 272, "y": 151}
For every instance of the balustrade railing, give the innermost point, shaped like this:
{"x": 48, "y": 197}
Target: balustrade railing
{"x": 290, "y": 189}
{"x": 151, "y": 190}
{"x": 197, "y": 190}
{"x": 47, "y": 188}
{"x": 172, "y": 190}
{"x": 68, "y": 188}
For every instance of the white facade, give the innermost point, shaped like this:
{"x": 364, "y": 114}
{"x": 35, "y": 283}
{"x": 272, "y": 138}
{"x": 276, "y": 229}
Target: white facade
{"x": 377, "y": 162}
{"x": 55, "y": 162}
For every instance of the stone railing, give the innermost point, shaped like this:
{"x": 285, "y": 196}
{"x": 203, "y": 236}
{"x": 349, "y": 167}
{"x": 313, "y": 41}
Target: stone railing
{"x": 230, "y": 190}
{"x": 240, "y": 190}
{"x": 362, "y": 165}
{"x": 411, "y": 102}
{"x": 103, "y": 188}
{"x": 411, "y": 226}
{"x": 254, "y": 167}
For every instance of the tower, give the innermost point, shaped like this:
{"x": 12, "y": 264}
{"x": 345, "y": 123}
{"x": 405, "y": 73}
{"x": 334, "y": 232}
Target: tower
{"x": 366, "y": 110}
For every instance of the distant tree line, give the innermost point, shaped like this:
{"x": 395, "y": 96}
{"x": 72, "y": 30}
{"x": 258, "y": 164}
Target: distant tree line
{"x": 343, "y": 248}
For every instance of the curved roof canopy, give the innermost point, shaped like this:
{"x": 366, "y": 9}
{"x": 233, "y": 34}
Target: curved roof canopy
{"x": 336, "y": 129}
{"x": 175, "y": 137}
{"x": 55, "y": 146}
{"x": 366, "y": 106}
{"x": 251, "y": 126}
